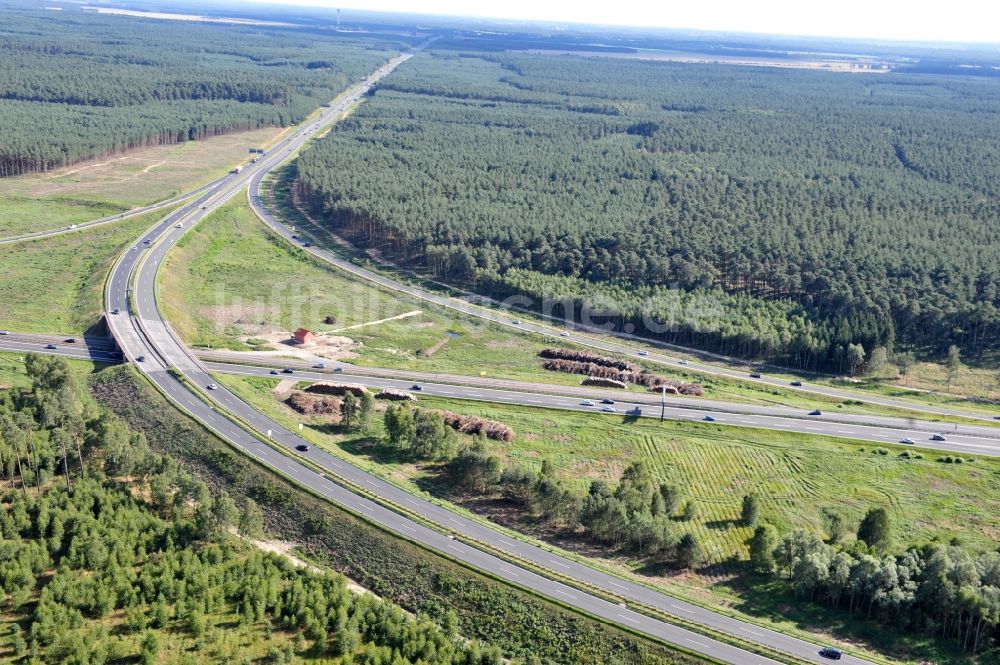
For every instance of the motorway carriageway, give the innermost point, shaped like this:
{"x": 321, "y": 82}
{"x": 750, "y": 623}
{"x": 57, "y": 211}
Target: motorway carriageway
{"x": 141, "y": 330}
{"x": 956, "y": 443}
{"x": 961, "y": 439}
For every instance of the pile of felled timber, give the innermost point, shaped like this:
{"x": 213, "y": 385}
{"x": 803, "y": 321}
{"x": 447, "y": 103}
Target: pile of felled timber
{"x": 474, "y": 425}
{"x": 594, "y": 366}
{"x": 339, "y": 389}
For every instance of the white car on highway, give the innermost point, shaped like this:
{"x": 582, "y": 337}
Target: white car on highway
{"x": 586, "y": 402}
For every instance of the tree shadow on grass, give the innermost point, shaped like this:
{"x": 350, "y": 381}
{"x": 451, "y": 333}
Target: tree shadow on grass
{"x": 773, "y": 599}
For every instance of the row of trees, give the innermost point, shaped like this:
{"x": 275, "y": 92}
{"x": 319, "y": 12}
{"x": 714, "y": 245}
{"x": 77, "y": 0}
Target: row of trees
{"x": 936, "y": 589}
{"x": 81, "y": 86}
{"x": 73, "y": 556}
{"x": 780, "y": 202}
{"x": 638, "y": 516}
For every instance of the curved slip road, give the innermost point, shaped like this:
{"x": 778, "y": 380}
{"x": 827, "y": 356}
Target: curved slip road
{"x": 141, "y": 331}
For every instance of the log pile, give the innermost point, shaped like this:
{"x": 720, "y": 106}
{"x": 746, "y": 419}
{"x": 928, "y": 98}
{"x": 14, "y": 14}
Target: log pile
{"x": 601, "y": 368}
{"x": 311, "y": 405}
{"x": 474, "y": 425}
{"x": 339, "y": 389}
{"x": 395, "y": 395}
{"x": 601, "y": 382}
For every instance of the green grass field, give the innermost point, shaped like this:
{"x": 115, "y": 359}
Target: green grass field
{"x": 55, "y": 285}
{"x": 105, "y": 186}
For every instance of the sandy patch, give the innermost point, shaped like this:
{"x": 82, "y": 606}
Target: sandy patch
{"x": 427, "y": 353}
{"x": 323, "y": 347}
{"x": 250, "y": 319}
{"x": 283, "y": 388}
{"x": 404, "y": 315}
{"x": 284, "y": 548}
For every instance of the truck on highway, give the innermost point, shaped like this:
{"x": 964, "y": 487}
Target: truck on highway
{"x": 237, "y": 169}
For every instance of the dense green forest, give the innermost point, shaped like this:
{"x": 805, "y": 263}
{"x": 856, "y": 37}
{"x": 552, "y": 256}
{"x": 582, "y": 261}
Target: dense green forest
{"x": 126, "y": 555}
{"x": 774, "y": 214}
{"x": 75, "y": 85}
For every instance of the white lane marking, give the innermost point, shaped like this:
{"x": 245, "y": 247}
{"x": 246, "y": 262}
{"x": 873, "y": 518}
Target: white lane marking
{"x": 509, "y": 571}
{"x": 559, "y": 563}
{"x": 701, "y": 644}
{"x": 627, "y": 618}
{"x": 617, "y": 585}
{"x": 454, "y": 548}
{"x": 753, "y": 632}
{"x": 682, "y": 609}
{"x": 568, "y": 595}
{"x": 408, "y": 527}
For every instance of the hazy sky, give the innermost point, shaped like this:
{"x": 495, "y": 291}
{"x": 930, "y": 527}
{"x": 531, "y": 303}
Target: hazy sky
{"x": 950, "y": 20}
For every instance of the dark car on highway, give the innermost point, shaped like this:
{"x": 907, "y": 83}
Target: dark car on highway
{"x": 287, "y": 370}
{"x": 831, "y": 652}
{"x": 302, "y": 447}
{"x": 416, "y": 386}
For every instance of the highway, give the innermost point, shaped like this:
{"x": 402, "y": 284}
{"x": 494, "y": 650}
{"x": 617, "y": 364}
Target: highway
{"x": 961, "y": 439}
{"x": 551, "y": 399}
{"x": 145, "y": 338}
